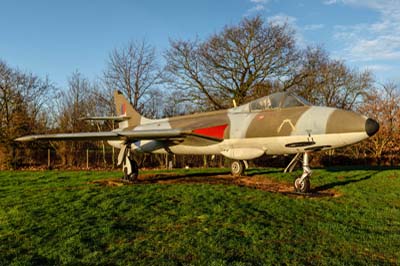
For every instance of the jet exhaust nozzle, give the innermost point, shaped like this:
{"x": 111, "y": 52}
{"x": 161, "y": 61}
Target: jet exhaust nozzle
{"x": 371, "y": 127}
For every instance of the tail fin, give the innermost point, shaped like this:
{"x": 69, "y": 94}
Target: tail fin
{"x": 125, "y": 109}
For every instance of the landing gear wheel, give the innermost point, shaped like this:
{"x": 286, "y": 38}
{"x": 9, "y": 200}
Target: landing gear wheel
{"x": 130, "y": 169}
{"x": 302, "y": 185}
{"x": 237, "y": 168}
{"x": 135, "y": 171}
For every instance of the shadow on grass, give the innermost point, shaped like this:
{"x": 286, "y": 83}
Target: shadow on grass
{"x": 360, "y": 168}
{"x": 340, "y": 183}
{"x": 203, "y": 176}
{"x": 164, "y": 177}
{"x": 254, "y": 172}
{"x": 253, "y": 180}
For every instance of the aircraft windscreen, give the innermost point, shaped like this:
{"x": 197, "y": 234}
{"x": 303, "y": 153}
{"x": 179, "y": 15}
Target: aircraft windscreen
{"x": 264, "y": 103}
{"x": 293, "y": 101}
{"x": 277, "y": 100}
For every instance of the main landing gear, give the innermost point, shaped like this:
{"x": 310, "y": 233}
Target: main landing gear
{"x": 129, "y": 165}
{"x": 238, "y": 168}
{"x": 301, "y": 183}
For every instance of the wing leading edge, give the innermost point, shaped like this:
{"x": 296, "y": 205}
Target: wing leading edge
{"x": 128, "y": 136}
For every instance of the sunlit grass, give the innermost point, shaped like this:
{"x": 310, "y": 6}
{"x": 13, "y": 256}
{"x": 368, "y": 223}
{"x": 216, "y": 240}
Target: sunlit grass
{"x": 52, "y": 218}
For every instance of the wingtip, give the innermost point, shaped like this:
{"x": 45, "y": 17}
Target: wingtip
{"x": 25, "y": 139}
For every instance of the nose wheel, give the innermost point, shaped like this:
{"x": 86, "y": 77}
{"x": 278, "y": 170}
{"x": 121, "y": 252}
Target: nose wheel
{"x": 302, "y": 183}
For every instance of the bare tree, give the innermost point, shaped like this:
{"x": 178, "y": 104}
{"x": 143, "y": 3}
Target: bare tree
{"x": 174, "y": 105}
{"x": 74, "y": 103}
{"x": 22, "y": 108}
{"x": 77, "y": 101}
{"x": 228, "y": 64}
{"x": 383, "y": 105}
{"x": 133, "y": 70}
{"x": 325, "y": 81}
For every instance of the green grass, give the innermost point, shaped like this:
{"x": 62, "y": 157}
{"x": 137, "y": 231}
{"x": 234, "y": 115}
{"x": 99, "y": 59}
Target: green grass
{"x": 55, "y": 217}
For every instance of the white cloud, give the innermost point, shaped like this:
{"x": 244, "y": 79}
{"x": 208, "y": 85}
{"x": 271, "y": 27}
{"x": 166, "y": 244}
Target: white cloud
{"x": 258, "y": 5}
{"x": 330, "y": 2}
{"x": 281, "y": 19}
{"x": 255, "y": 9}
{"x": 373, "y": 41}
{"x": 378, "y": 67}
{"x": 363, "y": 3}
{"x": 379, "y": 48}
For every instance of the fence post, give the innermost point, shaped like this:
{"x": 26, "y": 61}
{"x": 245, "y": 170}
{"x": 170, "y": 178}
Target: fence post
{"x": 87, "y": 158}
{"x": 48, "y": 158}
{"x": 113, "y": 156}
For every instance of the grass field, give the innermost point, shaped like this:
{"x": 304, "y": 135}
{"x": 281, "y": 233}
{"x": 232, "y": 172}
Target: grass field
{"x": 57, "y": 217}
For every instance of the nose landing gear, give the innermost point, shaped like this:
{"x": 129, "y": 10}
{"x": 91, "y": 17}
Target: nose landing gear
{"x": 302, "y": 183}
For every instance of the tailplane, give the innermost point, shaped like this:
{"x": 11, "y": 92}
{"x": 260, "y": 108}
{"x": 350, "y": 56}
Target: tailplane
{"x": 126, "y": 112}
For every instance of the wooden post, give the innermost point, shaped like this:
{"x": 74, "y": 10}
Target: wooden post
{"x": 87, "y": 158}
{"x": 113, "y": 156}
{"x": 113, "y": 148}
{"x": 48, "y": 158}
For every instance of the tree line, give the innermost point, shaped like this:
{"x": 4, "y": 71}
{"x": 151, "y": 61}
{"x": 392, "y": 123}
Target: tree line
{"x": 241, "y": 62}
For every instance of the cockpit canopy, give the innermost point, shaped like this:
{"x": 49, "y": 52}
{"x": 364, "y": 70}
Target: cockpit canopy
{"x": 275, "y": 100}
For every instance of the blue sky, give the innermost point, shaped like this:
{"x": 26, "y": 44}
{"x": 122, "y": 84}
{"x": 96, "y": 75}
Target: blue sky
{"x": 55, "y": 38}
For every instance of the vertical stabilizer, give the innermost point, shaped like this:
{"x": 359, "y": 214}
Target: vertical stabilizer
{"x": 125, "y": 109}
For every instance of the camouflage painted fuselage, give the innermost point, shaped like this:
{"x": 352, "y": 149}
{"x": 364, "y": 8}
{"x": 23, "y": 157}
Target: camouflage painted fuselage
{"x": 246, "y": 132}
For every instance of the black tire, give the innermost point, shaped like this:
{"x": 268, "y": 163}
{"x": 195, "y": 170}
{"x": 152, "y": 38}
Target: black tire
{"x": 135, "y": 171}
{"x": 125, "y": 170}
{"x": 237, "y": 168}
{"x": 302, "y": 187}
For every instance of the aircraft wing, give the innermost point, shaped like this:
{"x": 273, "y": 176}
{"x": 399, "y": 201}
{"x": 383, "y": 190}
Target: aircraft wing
{"x": 72, "y": 136}
{"x": 128, "y": 135}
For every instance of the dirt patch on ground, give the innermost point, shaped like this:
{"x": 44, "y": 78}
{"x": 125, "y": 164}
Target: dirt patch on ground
{"x": 257, "y": 182}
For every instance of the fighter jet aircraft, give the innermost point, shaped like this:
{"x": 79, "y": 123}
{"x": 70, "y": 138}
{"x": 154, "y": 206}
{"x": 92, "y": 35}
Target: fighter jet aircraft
{"x": 281, "y": 123}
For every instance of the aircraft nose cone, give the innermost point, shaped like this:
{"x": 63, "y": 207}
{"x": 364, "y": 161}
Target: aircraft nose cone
{"x": 371, "y": 127}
